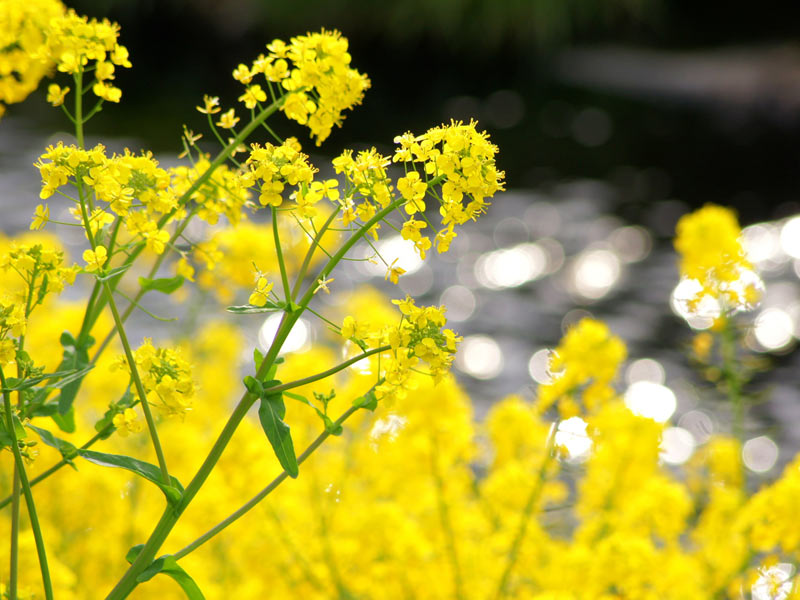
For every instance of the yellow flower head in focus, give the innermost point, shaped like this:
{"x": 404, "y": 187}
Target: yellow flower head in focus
{"x": 260, "y": 294}
{"x": 95, "y": 259}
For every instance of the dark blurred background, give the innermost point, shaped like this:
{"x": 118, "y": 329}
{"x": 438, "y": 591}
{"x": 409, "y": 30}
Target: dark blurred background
{"x": 661, "y": 98}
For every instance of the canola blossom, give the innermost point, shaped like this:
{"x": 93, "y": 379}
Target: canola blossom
{"x": 711, "y": 254}
{"x": 184, "y": 446}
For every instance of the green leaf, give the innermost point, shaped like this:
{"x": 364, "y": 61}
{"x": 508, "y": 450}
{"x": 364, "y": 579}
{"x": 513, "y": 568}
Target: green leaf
{"x": 299, "y": 398}
{"x": 19, "y": 430}
{"x": 62, "y": 378}
{"x": 258, "y": 358}
{"x": 76, "y": 358}
{"x": 330, "y": 426}
{"x": 65, "y": 422}
{"x": 44, "y": 410}
{"x": 133, "y": 553}
{"x": 150, "y": 472}
{"x": 249, "y": 309}
{"x": 253, "y": 385}
{"x": 42, "y": 290}
{"x": 271, "y": 413}
{"x": 169, "y": 566}
{"x": 67, "y": 449}
{"x": 368, "y": 401}
{"x": 165, "y": 285}
{"x": 114, "y": 272}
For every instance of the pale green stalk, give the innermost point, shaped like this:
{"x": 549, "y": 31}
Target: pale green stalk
{"x": 26, "y": 491}
{"x": 14, "y": 545}
{"x": 137, "y": 381}
{"x": 447, "y": 525}
{"x": 287, "y": 291}
{"x": 527, "y": 512}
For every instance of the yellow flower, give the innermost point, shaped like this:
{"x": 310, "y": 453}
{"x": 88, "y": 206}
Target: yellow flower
{"x": 393, "y": 273}
{"x": 184, "y": 269}
{"x": 40, "y": 217}
{"x": 210, "y": 105}
{"x": 95, "y": 259}
{"x": 127, "y": 422}
{"x": 56, "y": 94}
{"x": 322, "y": 284}
{"x": 260, "y": 295}
{"x": 252, "y": 96}
{"x": 107, "y": 92}
{"x": 711, "y": 253}
{"x": 228, "y": 119}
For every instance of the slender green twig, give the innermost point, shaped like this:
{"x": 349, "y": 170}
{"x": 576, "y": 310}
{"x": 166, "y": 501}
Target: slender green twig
{"x": 14, "y": 545}
{"x": 247, "y": 506}
{"x": 26, "y": 491}
{"x": 137, "y": 381}
{"x": 311, "y": 249}
{"x": 522, "y": 528}
{"x": 63, "y": 462}
{"x": 730, "y": 370}
{"x": 279, "y": 253}
{"x": 446, "y": 523}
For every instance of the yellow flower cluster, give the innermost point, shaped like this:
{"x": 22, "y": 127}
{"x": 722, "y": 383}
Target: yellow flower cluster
{"x": 224, "y": 193}
{"x": 583, "y": 367}
{"x": 368, "y": 183}
{"x": 459, "y": 157}
{"x": 419, "y": 337}
{"x": 315, "y": 69}
{"x": 41, "y": 269}
{"x": 166, "y": 375}
{"x": 272, "y": 168}
{"x": 711, "y": 253}
{"x": 37, "y": 270}
{"x": 24, "y": 27}
{"x": 74, "y": 41}
{"x": 414, "y": 499}
{"x": 225, "y": 261}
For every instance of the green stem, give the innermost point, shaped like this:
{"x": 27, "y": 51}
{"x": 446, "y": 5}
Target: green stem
{"x": 279, "y": 253}
{"x": 730, "y": 369}
{"x": 13, "y": 559}
{"x": 311, "y": 249}
{"x": 63, "y": 462}
{"x": 522, "y": 528}
{"x": 324, "y": 374}
{"x": 447, "y": 525}
{"x": 247, "y": 506}
{"x": 171, "y": 514}
{"x": 79, "y": 108}
{"x": 137, "y": 381}
{"x": 26, "y": 491}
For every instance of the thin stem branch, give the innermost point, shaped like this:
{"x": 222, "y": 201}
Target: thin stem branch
{"x": 522, "y": 528}
{"x": 26, "y": 491}
{"x": 247, "y": 506}
{"x": 311, "y": 249}
{"x": 447, "y": 525}
{"x": 137, "y": 381}
{"x": 63, "y": 462}
{"x": 324, "y": 374}
{"x": 279, "y": 253}
{"x": 14, "y": 549}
